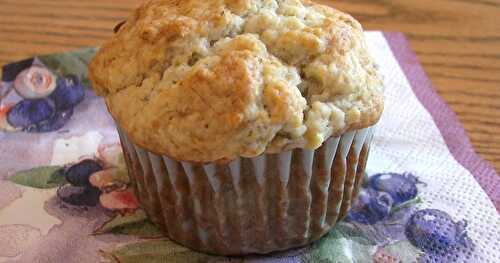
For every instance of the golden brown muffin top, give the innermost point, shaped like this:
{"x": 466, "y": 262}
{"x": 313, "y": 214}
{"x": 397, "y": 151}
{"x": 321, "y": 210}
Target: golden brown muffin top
{"x": 213, "y": 80}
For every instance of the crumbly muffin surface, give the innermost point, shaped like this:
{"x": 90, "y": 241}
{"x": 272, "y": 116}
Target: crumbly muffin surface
{"x": 216, "y": 79}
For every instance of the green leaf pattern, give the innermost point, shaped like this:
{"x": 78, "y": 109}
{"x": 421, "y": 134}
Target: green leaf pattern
{"x": 156, "y": 251}
{"x": 336, "y": 247}
{"x": 136, "y": 224}
{"x": 74, "y": 63}
{"x": 42, "y": 177}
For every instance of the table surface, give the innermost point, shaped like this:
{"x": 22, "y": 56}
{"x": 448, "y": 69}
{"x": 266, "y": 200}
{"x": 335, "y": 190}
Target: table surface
{"x": 457, "y": 41}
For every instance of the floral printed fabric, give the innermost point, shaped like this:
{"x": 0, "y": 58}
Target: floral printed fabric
{"x": 65, "y": 194}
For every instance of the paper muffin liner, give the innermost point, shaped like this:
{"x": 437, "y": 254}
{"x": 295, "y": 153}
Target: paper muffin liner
{"x": 251, "y": 205}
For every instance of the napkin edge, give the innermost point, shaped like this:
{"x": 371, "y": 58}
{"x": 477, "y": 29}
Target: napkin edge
{"x": 446, "y": 120}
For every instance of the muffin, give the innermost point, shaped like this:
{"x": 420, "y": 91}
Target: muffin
{"x": 246, "y": 125}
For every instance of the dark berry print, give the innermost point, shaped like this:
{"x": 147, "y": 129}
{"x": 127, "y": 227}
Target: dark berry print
{"x": 434, "y": 231}
{"x": 54, "y": 123}
{"x": 30, "y": 112}
{"x": 79, "y": 196}
{"x": 68, "y": 93}
{"x": 401, "y": 187}
{"x": 79, "y": 174}
{"x": 371, "y": 207}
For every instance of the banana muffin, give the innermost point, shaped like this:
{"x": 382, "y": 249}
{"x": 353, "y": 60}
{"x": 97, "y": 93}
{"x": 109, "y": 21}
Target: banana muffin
{"x": 245, "y": 124}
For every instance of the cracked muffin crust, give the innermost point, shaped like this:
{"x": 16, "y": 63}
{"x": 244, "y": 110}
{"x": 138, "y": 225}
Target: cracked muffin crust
{"x": 213, "y": 80}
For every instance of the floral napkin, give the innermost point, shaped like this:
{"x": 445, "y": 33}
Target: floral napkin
{"x": 65, "y": 194}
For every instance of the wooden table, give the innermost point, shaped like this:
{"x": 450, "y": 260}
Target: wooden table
{"x": 457, "y": 41}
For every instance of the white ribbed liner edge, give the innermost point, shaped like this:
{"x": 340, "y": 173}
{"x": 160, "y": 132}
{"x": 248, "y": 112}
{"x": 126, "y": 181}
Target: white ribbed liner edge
{"x": 188, "y": 220}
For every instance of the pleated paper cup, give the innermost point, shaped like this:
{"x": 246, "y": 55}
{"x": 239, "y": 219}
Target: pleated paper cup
{"x": 257, "y": 205}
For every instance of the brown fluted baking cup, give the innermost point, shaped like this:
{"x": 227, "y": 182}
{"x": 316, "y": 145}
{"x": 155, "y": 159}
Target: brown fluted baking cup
{"x": 252, "y": 205}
